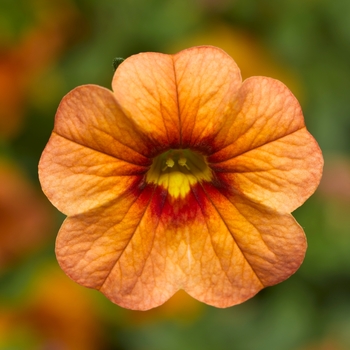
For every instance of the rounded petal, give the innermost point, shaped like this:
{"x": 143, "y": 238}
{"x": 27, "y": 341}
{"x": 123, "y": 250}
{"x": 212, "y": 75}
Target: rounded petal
{"x": 90, "y": 116}
{"x": 178, "y": 100}
{"x": 88, "y": 244}
{"x": 76, "y": 178}
{"x": 240, "y": 248}
{"x": 119, "y": 250}
{"x": 264, "y": 151}
{"x": 272, "y": 244}
{"x": 264, "y": 111}
{"x": 94, "y": 154}
{"x": 145, "y": 87}
{"x": 281, "y": 174}
{"x": 207, "y": 81}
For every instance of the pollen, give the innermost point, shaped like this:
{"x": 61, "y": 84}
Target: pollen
{"x": 182, "y": 161}
{"x": 169, "y": 163}
{"x": 177, "y": 170}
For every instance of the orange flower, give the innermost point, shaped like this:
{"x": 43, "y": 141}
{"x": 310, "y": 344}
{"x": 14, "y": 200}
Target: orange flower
{"x": 183, "y": 177}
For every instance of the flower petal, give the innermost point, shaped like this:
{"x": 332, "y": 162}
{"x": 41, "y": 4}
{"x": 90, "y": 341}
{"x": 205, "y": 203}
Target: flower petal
{"x": 177, "y": 101}
{"x": 94, "y": 153}
{"x": 237, "y": 248}
{"x": 281, "y": 174}
{"x": 145, "y": 87}
{"x": 207, "y": 81}
{"x": 90, "y": 116}
{"x": 264, "y": 150}
{"x": 76, "y": 178}
{"x": 255, "y": 246}
{"x": 265, "y": 110}
{"x": 119, "y": 250}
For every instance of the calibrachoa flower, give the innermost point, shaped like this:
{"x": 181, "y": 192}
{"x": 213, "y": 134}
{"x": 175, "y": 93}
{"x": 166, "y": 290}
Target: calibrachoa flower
{"x": 182, "y": 177}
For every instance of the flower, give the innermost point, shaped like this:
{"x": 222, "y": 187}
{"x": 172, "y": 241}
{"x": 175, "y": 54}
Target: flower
{"x": 183, "y": 177}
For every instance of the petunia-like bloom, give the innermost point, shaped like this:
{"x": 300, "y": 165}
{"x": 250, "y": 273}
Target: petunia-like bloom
{"x": 182, "y": 177}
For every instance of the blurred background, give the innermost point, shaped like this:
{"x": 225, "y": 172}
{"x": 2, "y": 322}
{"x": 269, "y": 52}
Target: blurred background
{"x": 49, "y": 47}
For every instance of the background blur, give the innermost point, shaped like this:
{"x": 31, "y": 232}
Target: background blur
{"x": 49, "y": 47}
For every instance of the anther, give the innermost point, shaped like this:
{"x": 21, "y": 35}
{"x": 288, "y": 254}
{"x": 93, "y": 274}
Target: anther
{"x": 169, "y": 163}
{"x": 182, "y": 161}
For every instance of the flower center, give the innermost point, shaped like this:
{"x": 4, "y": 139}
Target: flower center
{"x": 177, "y": 169}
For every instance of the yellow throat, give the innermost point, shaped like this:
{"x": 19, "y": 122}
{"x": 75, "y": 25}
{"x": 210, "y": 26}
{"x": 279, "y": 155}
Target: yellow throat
{"x": 177, "y": 169}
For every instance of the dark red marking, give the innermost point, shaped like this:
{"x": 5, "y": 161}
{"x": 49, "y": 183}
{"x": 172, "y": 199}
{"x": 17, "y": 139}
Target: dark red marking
{"x": 181, "y": 211}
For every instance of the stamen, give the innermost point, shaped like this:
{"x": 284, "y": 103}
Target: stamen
{"x": 182, "y": 161}
{"x": 169, "y": 163}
